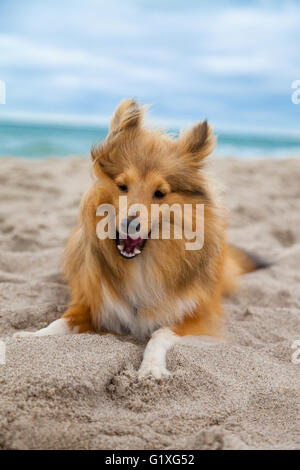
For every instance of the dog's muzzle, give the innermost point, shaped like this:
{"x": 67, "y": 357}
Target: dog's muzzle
{"x": 129, "y": 243}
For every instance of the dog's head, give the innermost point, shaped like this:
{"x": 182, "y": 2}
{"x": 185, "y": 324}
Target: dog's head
{"x": 149, "y": 168}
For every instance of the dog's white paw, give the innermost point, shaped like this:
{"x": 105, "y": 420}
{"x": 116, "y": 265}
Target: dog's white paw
{"x": 158, "y": 371}
{"x": 58, "y": 327}
{"x": 24, "y": 334}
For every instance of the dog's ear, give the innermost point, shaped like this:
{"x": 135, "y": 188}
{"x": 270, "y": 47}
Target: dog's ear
{"x": 107, "y": 161}
{"x": 128, "y": 115}
{"x": 196, "y": 144}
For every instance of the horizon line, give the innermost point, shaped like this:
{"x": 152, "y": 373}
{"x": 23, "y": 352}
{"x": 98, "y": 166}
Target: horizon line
{"x": 95, "y": 121}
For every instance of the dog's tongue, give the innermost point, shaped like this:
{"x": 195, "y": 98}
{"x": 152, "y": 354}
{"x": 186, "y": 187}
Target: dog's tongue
{"x": 130, "y": 243}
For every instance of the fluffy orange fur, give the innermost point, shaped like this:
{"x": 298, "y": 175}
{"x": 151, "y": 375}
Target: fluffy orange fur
{"x": 166, "y": 285}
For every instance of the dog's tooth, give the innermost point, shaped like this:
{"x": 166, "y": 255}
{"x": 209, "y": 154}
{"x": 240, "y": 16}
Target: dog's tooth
{"x": 127, "y": 255}
{"x": 120, "y": 247}
{"x": 137, "y": 251}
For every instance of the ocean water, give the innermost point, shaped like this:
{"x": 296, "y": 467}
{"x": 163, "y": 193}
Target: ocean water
{"x": 48, "y": 140}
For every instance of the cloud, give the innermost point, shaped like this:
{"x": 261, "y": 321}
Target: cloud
{"x": 218, "y": 59}
{"x": 21, "y": 53}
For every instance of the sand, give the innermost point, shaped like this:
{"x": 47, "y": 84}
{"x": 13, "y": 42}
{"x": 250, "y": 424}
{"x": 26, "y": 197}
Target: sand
{"x": 81, "y": 392}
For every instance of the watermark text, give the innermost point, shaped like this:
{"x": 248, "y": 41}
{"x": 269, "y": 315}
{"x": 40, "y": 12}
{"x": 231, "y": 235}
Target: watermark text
{"x": 159, "y": 221}
{"x": 296, "y": 353}
{"x": 296, "y": 93}
{"x": 2, "y": 353}
{"x": 2, "y": 92}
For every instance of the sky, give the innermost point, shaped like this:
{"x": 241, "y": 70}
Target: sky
{"x": 231, "y": 62}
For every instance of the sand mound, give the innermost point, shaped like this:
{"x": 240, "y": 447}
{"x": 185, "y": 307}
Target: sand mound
{"x": 82, "y": 391}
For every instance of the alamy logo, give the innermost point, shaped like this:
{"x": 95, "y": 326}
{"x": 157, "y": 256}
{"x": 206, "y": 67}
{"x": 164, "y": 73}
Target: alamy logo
{"x": 2, "y": 353}
{"x": 296, "y": 353}
{"x": 2, "y": 92}
{"x": 159, "y": 221}
{"x": 296, "y": 93}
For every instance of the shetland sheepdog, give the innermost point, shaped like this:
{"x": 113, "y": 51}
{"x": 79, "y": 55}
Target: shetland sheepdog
{"x": 151, "y": 287}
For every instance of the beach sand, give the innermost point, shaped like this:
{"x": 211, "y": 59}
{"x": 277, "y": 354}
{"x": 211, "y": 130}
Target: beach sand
{"x": 81, "y": 392}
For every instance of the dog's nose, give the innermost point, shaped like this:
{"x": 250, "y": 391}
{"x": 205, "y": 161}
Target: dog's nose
{"x": 131, "y": 225}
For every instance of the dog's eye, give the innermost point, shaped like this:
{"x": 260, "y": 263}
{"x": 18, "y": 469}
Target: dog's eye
{"x": 123, "y": 187}
{"x": 159, "y": 194}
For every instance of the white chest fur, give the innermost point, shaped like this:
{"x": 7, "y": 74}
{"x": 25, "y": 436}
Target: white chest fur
{"x": 144, "y": 292}
{"x": 121, "y": 317}
{"x": 124, "y": 314}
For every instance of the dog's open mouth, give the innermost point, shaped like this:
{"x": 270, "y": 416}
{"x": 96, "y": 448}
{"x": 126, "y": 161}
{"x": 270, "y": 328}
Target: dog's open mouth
{"x": 129, "y": 247}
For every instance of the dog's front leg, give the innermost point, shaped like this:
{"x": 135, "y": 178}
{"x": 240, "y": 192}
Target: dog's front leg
{"x": 75, "y": 320}
{"x": 154, "y": 360}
